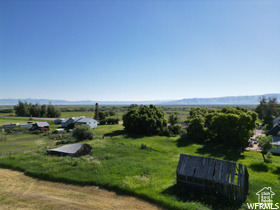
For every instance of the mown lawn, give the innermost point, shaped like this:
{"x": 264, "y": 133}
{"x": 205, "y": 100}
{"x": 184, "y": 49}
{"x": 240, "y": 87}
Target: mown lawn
{"x": 119, "y": 164}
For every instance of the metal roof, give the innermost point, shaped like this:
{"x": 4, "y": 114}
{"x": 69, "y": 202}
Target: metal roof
{"x": 85, "y": 119}
{"x": 42, "y": 124}
{"x": 69, "y": 149}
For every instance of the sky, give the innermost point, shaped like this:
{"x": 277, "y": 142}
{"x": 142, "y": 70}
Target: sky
{"x": 117, "y": 50}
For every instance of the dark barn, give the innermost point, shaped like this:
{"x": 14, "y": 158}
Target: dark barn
{"x": 203, "y": 174}
{"x": 73, "y": 150}
{"x": 42, "y": 126}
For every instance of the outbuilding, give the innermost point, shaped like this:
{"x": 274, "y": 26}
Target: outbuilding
{"x": 43, "y": 126}
{"x": 222, "y": 178}
{"x": 11, "y": 125}
{"x": 25, "y": 126}
{"x": 73, "y": 150}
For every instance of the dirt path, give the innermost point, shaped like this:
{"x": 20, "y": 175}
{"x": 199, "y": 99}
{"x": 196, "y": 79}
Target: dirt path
{"x": 18, "y": 191}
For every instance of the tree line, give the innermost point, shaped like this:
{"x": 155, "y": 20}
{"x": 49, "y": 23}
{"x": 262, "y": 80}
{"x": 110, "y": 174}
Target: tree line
{"x": 24, "y": 109}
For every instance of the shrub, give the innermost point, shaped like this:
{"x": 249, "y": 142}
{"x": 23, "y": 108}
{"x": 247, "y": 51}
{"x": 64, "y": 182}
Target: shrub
{"x": 82, "y": 132}
{"x": 109, "y": 121}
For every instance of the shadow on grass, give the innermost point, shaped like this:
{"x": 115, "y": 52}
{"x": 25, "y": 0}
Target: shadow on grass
{"x": 209, "y": 199}
{"x": 183, "y": 141}
{"x": 123, "y": 133}
{"x": 277, "y": 171}
{"x": 220, "y": 151}
{"x": 259, "y": 167}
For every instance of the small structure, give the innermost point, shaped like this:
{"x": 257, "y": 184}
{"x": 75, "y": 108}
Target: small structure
{"x": 69, "y": 120}
{"x": 42, "y": 126}
{"x": 88, "y": 121}
{"x": 25, "y": 126}
{"x": 11, "y": 125}
{"x": 58, "y": 121}
{"x": 203, "y": 174}
{"x": 73, "y": 150}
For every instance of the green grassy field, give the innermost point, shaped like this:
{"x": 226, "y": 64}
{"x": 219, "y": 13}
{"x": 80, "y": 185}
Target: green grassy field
{"x": 119, "y": 164}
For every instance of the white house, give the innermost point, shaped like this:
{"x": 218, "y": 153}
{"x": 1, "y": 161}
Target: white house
{"x": 88, "y": 121}
{"x": 276, "y": 120}
{"x": 276, "y": 143}
{"x": 69, "y": 120}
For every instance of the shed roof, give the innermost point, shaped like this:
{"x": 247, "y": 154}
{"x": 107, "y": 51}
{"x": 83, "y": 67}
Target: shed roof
{"x": 42, "y": 124}
{"x": 206, "y": 168}
{"x": 68, "y": 149}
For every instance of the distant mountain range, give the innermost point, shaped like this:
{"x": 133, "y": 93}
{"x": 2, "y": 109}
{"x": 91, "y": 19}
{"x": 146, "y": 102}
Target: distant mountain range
{"x": 229, "y": 100}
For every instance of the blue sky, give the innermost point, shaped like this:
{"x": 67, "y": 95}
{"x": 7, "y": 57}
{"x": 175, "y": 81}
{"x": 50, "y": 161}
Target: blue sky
{"x": 138, "y": 50}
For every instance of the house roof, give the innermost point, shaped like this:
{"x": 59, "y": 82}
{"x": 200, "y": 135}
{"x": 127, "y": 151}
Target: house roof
{"x": 42, "y": 124}
{"x": 65, "y": 120}
{"x": 68, "y": 149}
{"x": 274, "y": 131}
{"x": 206, "y": 168}
{"x": 86, "y": 119}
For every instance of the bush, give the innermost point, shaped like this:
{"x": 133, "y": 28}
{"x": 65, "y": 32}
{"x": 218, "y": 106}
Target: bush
{"x": 82, "y": 132}
{"x": 109, "y": 121}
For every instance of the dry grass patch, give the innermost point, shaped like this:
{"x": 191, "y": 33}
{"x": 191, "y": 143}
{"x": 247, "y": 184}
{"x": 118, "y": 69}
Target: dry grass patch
{"x": 19, "y": 191}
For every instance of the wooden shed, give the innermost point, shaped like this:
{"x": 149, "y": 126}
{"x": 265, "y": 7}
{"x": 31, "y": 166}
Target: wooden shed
{"x": 73, "y": 150}
{"x": 203, "y": 174}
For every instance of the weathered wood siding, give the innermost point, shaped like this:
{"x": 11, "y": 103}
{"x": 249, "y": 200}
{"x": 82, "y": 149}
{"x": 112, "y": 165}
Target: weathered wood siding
{"x": 201, "y": 174}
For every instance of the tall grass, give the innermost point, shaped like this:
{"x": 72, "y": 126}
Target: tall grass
{"x": 118, "y": 163}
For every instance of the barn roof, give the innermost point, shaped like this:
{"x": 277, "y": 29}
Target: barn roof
{"x": 42, "y": 124}
{"x": 68, "y": 149}
{"x": 206, "y": 168}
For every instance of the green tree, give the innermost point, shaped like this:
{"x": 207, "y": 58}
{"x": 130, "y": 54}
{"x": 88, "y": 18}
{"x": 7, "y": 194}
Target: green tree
{"x": 82, "y": 132}
{"x": 265, "y": 144}
{"x": 96, "y": 112}
{"x": 268, "y": 109}
{"x": 52, "y": 111}
{"x": 34, "y": 110}
{"x": 43, "y": 112}
{"x": 196, "y": 129}
{"x": 173, "y": 119}
{"x": 21, "y": 109}
{"x": 228, "y": 125}
{"x": 147, "y": 120}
